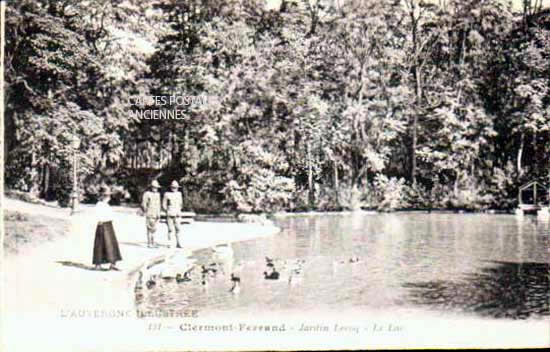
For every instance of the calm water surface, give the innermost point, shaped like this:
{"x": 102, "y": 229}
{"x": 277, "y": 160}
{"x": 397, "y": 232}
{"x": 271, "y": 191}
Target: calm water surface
{"x": 483, "y": 265}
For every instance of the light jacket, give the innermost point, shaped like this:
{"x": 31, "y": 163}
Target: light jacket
{"x": 150, "y": 204}
{"x": 172, "y": 203}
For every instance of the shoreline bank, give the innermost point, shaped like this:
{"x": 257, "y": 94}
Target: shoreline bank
{"x": 72, "y": 308}
{"x": 55, "y": 279}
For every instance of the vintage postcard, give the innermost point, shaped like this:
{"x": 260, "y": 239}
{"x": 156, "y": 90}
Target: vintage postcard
{"x": 223, "y": 175}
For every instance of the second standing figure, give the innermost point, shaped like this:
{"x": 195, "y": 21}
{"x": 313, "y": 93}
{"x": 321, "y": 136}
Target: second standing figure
{"x": 172, "y": 203}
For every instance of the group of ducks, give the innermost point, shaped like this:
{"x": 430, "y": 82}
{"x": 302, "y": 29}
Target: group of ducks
{"x": 294, "y": 268}
{"x": 295, "y": 271}
{"x": 352, "y": 260}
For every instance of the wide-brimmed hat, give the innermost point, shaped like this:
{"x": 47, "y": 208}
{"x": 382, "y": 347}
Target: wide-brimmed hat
{"x": 105, "y": 190}
{"x": 174, "y": 184}
{"x": 155, "y": 184}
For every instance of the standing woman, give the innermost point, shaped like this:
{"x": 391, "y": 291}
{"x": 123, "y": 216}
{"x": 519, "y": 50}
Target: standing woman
{"x": 105, "y": 245}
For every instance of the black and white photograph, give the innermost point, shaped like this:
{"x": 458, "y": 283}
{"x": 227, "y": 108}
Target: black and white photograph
{"x": 233, "y": 175}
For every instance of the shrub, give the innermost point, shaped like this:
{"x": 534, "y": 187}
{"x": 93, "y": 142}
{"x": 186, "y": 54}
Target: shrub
{"x": 300, "y": 200}
{"x": 419, "y": 197}
{"x": 118, "y": 194}
{"x": 352, "y": 198}
{"x": 330, "y": 199}
{"x": 62, "y": 188}
{"x": 327, "y": 199}
{"x": 202, "y": 202}
{"x": 20, "y": 195}
{"x": 262, "y": 191}
{"x": 390, "y": 193}
{"x": 502, "y": 187}
{"x": 470, "y": 199}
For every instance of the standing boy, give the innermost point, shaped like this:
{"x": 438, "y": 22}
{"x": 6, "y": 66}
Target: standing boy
{"x": 172, "y": 204}
{"x": 150, "y": 205}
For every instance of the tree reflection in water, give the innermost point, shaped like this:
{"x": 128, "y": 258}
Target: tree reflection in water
{"x": 506, "y": 290}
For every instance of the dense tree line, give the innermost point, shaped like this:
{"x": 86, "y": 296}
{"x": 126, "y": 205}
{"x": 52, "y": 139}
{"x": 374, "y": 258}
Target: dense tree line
{"x": 312, "y": 104}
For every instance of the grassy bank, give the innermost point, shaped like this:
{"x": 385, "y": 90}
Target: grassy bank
{"x": 26, "y": 231}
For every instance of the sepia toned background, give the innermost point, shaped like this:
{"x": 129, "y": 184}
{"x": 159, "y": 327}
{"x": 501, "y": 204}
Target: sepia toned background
{"x": 388, "y": 160}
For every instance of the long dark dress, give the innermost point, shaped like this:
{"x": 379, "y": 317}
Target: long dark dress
{"x": 105, "y": 245}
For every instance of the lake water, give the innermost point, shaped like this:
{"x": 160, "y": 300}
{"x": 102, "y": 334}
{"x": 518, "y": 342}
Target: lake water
{"x": 449, "y": 264}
